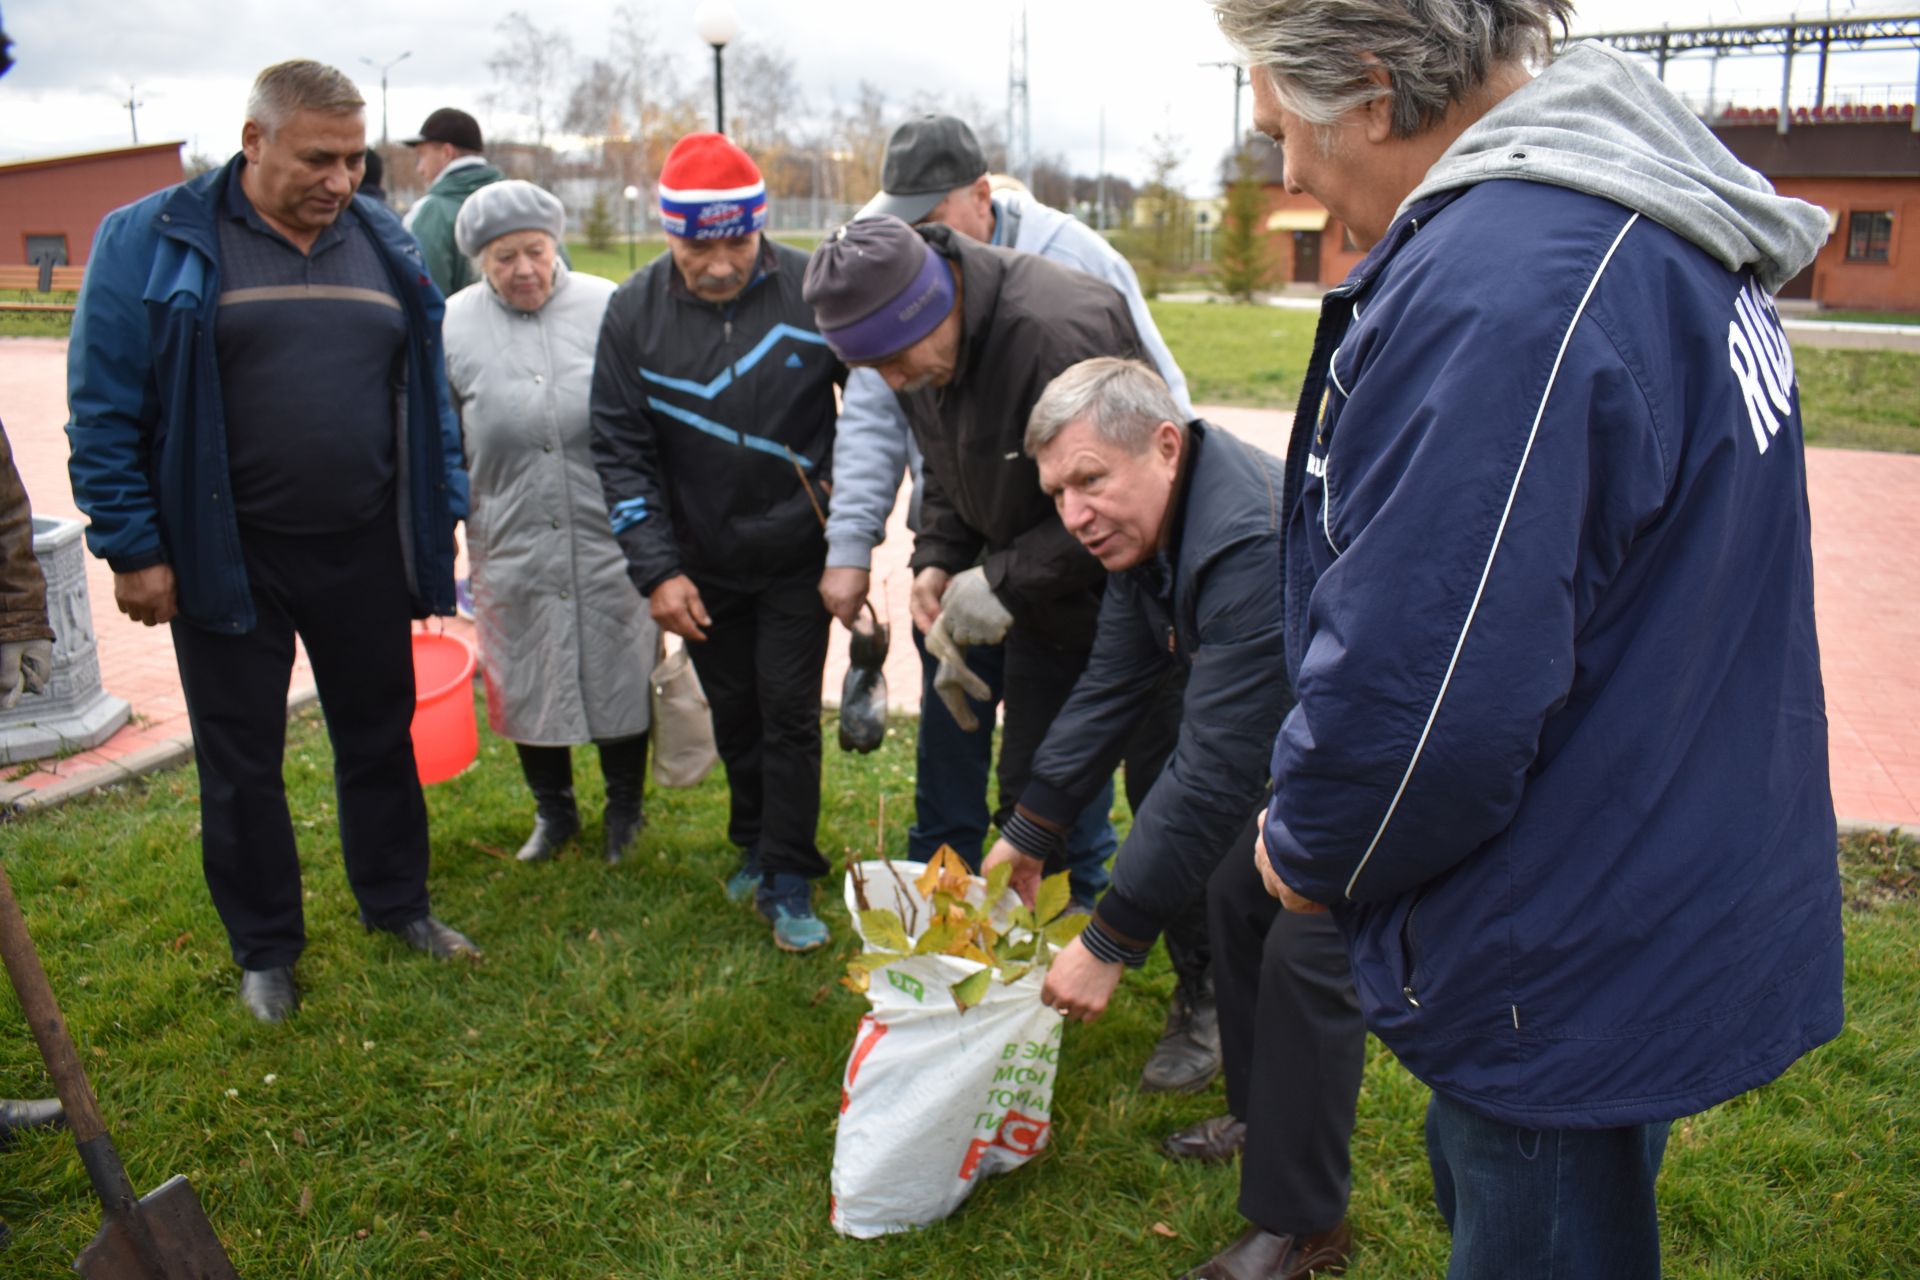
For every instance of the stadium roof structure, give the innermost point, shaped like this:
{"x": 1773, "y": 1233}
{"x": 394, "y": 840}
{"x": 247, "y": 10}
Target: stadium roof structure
{"x": 1857, "y": 28}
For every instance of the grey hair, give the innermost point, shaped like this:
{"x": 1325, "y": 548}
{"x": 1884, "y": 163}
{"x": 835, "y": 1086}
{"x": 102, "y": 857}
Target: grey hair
{"x": 1317, "y": 53}
{"x": 1122, "y": 400}
{"x": 288, "y": 87}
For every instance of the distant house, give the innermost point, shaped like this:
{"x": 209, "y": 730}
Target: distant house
{"x": 1305, "y": 244}
{"x": 1860, "y": 164}
{"x": 50, "y": 208}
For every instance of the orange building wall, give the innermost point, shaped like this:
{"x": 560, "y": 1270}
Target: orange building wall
{"x": 69, "y": 195}
{"x": 1893, "y": 285}
{"x": 1336, "y": 259}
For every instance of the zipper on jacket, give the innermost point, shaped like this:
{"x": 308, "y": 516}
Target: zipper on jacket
{"x": 1408, "y": 960}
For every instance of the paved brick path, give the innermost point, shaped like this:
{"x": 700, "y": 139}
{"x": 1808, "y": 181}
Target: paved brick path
{"x": 1866, "y": 509}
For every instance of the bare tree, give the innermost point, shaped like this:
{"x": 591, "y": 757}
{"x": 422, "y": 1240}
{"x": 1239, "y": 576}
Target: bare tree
{"x": 530, "y": 68}
{"x": 860, "y": 132}
{"x": 658, "y": 111}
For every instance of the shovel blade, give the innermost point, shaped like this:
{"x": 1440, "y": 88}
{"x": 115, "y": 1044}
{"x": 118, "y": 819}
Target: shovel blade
{"x": 184, "y": 1244}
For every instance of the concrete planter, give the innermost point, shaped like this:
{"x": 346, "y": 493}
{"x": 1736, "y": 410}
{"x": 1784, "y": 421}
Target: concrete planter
{"x": 75, "y": 713}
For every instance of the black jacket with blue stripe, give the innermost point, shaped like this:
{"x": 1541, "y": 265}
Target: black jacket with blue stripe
{"x": 711, "y": 423}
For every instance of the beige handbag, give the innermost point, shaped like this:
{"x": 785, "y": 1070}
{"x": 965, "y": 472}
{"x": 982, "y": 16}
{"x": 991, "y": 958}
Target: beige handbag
{"x": 683, "y": 750}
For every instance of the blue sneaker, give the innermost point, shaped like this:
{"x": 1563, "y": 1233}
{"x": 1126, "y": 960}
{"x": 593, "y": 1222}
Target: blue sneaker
{"x": 744, "y": 883}
{"x": 787, "y": 901}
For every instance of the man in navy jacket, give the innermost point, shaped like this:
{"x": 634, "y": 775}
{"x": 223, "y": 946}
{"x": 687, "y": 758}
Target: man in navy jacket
{"x": 1186, "y": 521}
{"x": 262, "y": 442}
{"x": 1558, "y": 764}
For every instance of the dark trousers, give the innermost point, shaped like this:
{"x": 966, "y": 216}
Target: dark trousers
{"x": 1294, "y": 1046}
{"x": 345, "y": 595}
{"x": 1574, "y": 1204}
{"x": 761, "y": 666}
{"x": 623, "y": 764}
{"x": 952, "y": 766}
{"x": 1187, "y": 935}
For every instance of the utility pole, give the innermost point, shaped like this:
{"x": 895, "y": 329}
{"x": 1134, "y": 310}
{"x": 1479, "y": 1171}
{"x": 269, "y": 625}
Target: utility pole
{"x": 1239, "y": 83}
{"x": 1100, "y": 218}
{"x": 383, "y": 69}
{"x": 1019, "y": 116}
{"x": 133, "y": 120}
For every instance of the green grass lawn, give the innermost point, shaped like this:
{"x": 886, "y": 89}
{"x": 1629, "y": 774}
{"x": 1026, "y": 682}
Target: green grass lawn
{"x": 1869, "y": 317}
{"x": 634, "y": 1083}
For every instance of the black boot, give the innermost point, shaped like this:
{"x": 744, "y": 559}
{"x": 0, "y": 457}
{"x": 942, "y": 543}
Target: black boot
{"x": 556, "y": 820}
{"x": 1188, "y": 1056}
{"x": 624, "y": 766}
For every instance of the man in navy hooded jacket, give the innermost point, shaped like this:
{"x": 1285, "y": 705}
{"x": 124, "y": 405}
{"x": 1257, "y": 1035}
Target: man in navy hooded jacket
{"x": 263, "y": 444}
{"x": 1558, "y": 763}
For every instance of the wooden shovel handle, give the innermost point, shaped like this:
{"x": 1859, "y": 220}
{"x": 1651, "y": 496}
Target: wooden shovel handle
{"x": 43, "y": 1015}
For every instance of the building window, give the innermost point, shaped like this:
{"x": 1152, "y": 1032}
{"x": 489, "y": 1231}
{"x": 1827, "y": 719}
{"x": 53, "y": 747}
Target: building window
{"x": 52, "y": 247}
{"x": 1868, "y": 235}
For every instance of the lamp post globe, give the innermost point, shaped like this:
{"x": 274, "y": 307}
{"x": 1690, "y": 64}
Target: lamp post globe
{"x": 715, "y": 22}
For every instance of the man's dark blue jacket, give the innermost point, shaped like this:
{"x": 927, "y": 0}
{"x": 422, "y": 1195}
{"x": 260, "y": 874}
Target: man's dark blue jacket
{"x": 1206, "y": 609}
{"x": 1559, "y": 758}
{"x": 148, "y": 435}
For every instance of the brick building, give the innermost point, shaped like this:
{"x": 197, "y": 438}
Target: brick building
{"x": 1305, "y": 244}
{"x": 53, "y": 206}
{"x": 1862, "y": 165}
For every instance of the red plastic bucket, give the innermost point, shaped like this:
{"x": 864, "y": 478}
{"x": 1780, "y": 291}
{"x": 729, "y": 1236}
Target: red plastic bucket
{"x": 445, "y": 738}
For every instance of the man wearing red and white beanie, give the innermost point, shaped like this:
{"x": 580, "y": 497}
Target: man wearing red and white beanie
{"x": 713, "y": 411}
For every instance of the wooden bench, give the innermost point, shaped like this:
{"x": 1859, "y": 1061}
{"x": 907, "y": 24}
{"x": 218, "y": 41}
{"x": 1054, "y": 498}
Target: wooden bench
{"x": 20, "y": 288}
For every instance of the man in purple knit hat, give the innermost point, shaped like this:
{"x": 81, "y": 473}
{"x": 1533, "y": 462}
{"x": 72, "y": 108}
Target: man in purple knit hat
{"x": 968, "y": 336}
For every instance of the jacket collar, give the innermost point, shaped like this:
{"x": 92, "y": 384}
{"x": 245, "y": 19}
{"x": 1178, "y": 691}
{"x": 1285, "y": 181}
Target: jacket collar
{"x": 188, "y": 211}
{"x": 1402, "y": 229}
{"x": 982, "y": 272}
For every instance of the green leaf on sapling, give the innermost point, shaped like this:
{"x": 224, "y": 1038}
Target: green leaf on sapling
{"x": 1053, "y": 897}
{"x": 1065, "y": 929}
{"x": 997, "y": 879}
{"x": 882, "y": 929}
{"x": 972, "y": 989}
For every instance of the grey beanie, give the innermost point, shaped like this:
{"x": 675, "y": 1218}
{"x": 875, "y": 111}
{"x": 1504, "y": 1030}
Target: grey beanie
{"x": 876, "y": 288}
{"x": 502, "y": 207}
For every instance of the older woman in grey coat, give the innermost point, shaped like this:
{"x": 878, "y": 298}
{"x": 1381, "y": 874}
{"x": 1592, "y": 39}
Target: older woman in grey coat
{"x": 566, "y": 643}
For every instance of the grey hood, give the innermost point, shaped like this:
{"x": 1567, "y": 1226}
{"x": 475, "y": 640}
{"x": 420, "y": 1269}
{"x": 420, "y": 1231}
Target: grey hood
{"x": 1596, "y": 122}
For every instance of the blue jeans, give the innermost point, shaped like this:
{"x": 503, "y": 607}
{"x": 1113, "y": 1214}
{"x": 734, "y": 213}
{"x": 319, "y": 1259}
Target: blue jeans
{"x": 1548, "y": 1204}
{"x": 952, "y": 769}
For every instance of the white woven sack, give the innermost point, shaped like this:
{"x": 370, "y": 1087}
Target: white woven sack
{"x": 935, "y": 1099}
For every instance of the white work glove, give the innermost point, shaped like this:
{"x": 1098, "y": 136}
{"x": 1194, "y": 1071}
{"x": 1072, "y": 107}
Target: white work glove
{"x": 24, "y": 664}
{"x": 969, "y": 614}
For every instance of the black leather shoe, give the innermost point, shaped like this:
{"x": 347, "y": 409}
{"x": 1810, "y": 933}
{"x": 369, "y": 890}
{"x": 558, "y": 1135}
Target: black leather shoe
{"x": 622, "y": 829}
{"x": 428, "y": 934}
{"x": 29, "y": 1113}
{"x": 1188, "y": 1056}
{"x": 1261, "y": 1255}
{"x": 269, "y": 994}
{"x": 1214, "y": 1140}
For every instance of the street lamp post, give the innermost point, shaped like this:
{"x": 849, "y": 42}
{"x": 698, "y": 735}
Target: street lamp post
{"x": 633, "y": 203}
{"x": 715, "y": 22}
{"x": 383, "y": 69}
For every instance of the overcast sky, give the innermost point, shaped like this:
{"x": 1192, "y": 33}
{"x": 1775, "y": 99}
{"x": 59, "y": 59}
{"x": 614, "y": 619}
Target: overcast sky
{"x": 1143, "y": 61}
